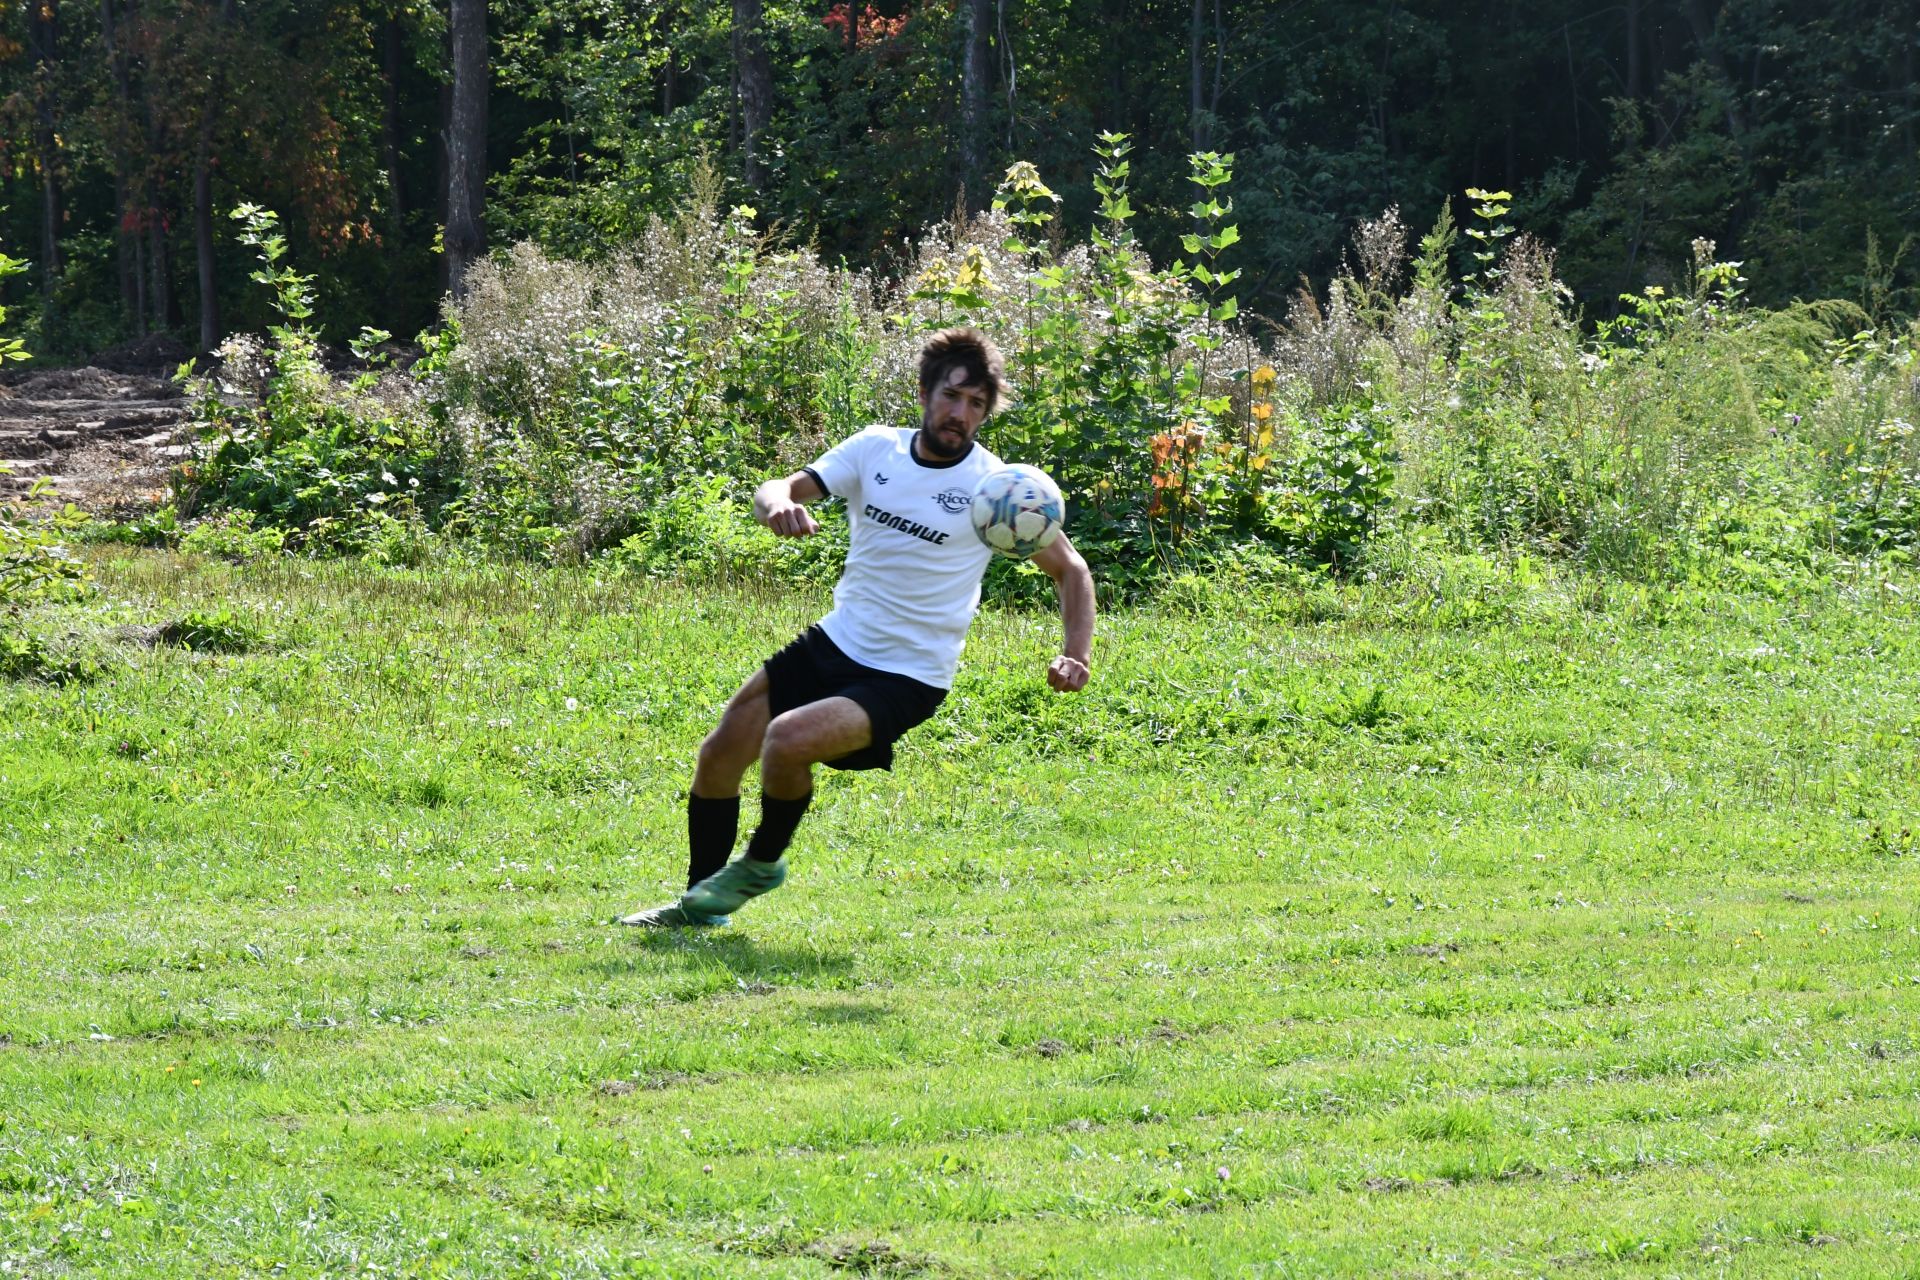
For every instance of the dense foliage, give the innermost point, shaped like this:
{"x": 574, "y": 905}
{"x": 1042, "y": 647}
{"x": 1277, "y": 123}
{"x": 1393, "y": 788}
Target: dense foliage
{"x": 1785, "y": 133}
{"x": 628, "y": 406}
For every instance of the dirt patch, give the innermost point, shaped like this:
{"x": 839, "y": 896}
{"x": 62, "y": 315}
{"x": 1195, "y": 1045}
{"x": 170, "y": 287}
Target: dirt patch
{"x": 88, "y": 383}
{"x": 105, "y": 440}
{"x": 154, "y": 354}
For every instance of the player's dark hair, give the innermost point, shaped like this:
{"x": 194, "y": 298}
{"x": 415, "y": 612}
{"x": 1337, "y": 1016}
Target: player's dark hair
{"x": 971, "y": 350}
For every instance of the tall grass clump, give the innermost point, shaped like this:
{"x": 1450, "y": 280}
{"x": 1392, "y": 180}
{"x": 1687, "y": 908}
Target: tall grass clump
{"x": 643, "y": 397}
{"x": 320, "y": 465}
{"x": 1690, "y": 436}
{"x": 1445, "y": 391}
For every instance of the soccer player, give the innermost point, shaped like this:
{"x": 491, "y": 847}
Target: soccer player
{"x": 883, "y": 659}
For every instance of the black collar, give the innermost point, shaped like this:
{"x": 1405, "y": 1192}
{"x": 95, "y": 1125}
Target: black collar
{"x": 913, "y": 451}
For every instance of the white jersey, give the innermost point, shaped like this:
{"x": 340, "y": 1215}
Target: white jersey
{"x": 912, "y": 582}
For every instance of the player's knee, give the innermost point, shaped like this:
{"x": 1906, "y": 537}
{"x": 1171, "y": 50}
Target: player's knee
{"x": 786, "y": 741}
{"x": 713, "y": 753}
{"x": 727, "y": 747}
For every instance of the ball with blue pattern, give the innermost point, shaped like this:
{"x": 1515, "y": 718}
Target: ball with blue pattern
{"x": 1018, "y": 511}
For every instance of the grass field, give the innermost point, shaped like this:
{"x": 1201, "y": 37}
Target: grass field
{"x": 1575, "y": 935}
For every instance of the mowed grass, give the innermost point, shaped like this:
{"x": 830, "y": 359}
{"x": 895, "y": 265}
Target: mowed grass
{"x": 1574, "y": 941}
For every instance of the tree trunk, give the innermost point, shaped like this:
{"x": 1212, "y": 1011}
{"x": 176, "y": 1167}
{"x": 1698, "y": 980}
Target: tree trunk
{"x": 1703, "y": 20}
{"x": 1912, "y": 88}
{"x": 754, "y": 73}
{"x": 1113, "y": 113}
{"x": 160, "y": 300}
{"x": 390, "y": 60}
{"x": 1509, "y": 107}
{"x": 1219, "y": 70}
{"x": 159, "y": 286}
{"x": 1196, "y": 80}
{"x": 1633, "y": 50}
{"x": 139, "y": 267}
{"x": 43, "y": 36}
{"x": 465, "y": 237}
{"x": 1009, "y": 71}
{"x": 211, "y": 330}
{"x": 126, "y": 244}
{"x": 976, "y": 25}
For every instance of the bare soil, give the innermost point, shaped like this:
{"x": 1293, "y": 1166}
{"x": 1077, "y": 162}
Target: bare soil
{"x": 104, "y": 437}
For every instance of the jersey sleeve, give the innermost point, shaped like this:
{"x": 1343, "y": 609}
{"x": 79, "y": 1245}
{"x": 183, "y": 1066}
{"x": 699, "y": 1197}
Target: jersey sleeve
{"x": 839, "y": 469}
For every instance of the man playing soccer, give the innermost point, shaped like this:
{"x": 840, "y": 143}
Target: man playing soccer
{"x": 883, "y": 659}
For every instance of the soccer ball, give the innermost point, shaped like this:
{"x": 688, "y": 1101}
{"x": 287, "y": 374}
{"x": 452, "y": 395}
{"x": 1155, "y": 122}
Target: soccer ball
{"x": 1018, "y": 510}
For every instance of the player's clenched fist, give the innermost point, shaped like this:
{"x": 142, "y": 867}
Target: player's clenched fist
{"x": 791, "y": 521}
{"x": 1069, "y": 675}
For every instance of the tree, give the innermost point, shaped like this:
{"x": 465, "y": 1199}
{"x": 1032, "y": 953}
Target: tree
{"x": 466, "y": 142}
{"x": 118, "y": 116}
{"x": 43, "y": 36}
{"x": 212, "y": 105}
{"x": 976, "y": 60}
{"x": 753, "y": 72}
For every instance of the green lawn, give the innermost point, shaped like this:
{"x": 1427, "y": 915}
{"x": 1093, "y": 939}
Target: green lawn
{"x": 1575, "y": 935}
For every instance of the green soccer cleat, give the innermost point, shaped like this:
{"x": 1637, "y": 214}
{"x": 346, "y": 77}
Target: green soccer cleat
{"x": 729, "y": 888}
{"x": 671, "y": 916}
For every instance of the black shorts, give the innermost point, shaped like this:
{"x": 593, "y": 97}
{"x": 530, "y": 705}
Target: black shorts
{"x": 813, "y": 667}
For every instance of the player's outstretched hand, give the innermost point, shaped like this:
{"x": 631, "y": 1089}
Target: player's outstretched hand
{"x": 792, "y": 521}
{"x": 1068, "y": 675}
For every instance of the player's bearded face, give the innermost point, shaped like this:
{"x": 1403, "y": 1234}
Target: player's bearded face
{"x": 951, "y": 415}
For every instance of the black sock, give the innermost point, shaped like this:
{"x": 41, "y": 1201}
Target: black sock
{"x": 778, "y": 819}
{"x": 711, "y": 828}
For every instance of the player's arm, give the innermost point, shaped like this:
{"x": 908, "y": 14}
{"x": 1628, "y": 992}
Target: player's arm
{"x": 781, "y": 504}
{"x": 1073, "y": 582}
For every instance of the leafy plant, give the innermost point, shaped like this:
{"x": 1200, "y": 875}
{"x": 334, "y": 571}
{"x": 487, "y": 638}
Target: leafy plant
{"x": 232, "y": 536}
{"x": 35, "y": 565}
{"x": 284, "y": 443}
{"x": 211, "y": 631}
{"x": 1335, "y": 490}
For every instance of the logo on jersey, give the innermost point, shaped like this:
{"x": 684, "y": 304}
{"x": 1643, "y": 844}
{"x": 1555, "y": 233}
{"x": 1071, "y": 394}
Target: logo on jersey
{"x": 878, "y": 478}
{"x": 953, "y": 501}
{"x": 913, "y": 528}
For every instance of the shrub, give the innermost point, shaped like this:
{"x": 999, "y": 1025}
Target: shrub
{"x": 1449, "y": 387}
{"x": 211, "y": 631}
{"x": 159, "y": 527}
{"x": 232, "y": 536}
{"x": 283, "y": 441}
{"x": 583, "y": 397}
{"x": 35, "y": 564}
{"x": 703, "y": 532}
{"x": 25, "y": 656}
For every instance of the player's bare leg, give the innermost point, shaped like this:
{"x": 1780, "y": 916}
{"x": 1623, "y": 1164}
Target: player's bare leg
{"x": 713, "y": 803}
{"x": 793, "y": 744}
{"x": 733, "y": 746}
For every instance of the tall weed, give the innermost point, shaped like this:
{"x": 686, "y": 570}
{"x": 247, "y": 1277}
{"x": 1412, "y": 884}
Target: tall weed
{"x": 584, "y": 396}
{"x": 336, "y": 466}
{"x": 1448, "y": 386}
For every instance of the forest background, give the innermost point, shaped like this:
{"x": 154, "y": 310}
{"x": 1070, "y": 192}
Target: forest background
{"x": 1788, "y": 134}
